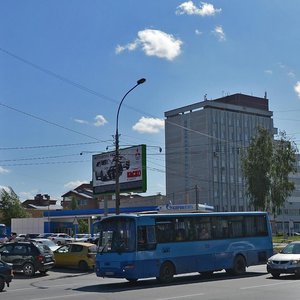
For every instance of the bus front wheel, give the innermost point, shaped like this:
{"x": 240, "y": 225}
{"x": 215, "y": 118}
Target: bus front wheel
{"x": 166, "y": 273}
{"x": 239, "y": 266}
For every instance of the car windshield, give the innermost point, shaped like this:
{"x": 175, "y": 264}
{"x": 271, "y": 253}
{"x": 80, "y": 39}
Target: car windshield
{"x": 293, "y": 248}
{"x": 43, "y": 248}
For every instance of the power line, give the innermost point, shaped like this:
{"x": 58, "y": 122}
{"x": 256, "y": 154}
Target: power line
{"x": 82, "y": 87}
{"x": 51, "y": 123}
{"x": 46, "y": 146}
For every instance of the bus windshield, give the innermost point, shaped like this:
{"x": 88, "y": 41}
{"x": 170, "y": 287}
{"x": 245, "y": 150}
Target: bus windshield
{"x": 117, "y": 235}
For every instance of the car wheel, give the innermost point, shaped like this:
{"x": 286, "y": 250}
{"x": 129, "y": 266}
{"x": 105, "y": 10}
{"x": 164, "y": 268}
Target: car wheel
{"x": 28, "y": 269}
{"x": 83, "y": 266}
{"x": 2, "y": 284}
{"x": 275, "y": 274}
{"x": 166, "y": 273}
{"x": 58, "y": 243}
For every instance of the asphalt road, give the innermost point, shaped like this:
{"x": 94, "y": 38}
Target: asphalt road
{"x": 67, "y": 284}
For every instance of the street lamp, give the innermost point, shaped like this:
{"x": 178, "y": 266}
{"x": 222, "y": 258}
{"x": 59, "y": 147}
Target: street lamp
{"x": 117, "y": 155}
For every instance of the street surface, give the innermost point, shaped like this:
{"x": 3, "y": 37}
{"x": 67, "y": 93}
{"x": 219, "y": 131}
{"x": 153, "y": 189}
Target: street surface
{"x": 69, "y": 284}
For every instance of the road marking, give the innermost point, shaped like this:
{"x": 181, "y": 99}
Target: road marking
{"x": 62, "y": 296}
{"x": 179, "y": 297}
{"x": 264, "y": 285}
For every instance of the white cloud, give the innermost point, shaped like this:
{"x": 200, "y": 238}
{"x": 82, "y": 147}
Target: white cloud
{"x": 219, "y": 32}
{"x": 297, "y": 88}
{"x": 73, "y": 184}
{"x": 291, "y": 74}
{"x": 3, "y": 170}
{"x": 99, "y": 120}
{"x": 269, "y": 72}
{"x": 198, "y": 32}
{"x": 155, "y": 43}
{"x": 149, "y": 125}
{"x": 189, "y": 8}
{"x": 29, "y": 195}
{"x": 129, "y": 47}
{"x": 81, "y": 121}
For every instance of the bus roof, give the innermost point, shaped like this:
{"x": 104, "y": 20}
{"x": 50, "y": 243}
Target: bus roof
{"x": 208, "y": 214}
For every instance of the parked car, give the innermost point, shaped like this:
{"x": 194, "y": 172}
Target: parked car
{"x": 44, "y": 235}
{"x": 81, "y": 237}
{"x": 77, "y": 254}
{"x": 46, "y": 243}
{"x": 6, "y": 274}
{"x": 27, "y": 257}
{"x": 94, "y": 239}
{"x": 26, "y": 236}
{"x": 287, "y": 261}
{"x": 61, "y": 238}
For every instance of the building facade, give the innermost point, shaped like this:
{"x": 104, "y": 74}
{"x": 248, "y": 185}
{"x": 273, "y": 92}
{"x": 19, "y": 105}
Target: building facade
{"x": 204, "y": 142}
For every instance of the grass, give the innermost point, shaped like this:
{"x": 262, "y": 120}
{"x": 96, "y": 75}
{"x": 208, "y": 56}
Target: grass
{"x": 287, "y": 239}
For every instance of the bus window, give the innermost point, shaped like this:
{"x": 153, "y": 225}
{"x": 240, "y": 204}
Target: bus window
{"x": 146, "y": 238}
{"x": 164, "y": 231}
{"x": 261, "y": 226}
{"x": 255, "y": 226}
{"x": 219, "y": 227}
{"x": 235, "y": 225}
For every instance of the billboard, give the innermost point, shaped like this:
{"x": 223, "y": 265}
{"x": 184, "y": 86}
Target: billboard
{"x": 132, "y": 170}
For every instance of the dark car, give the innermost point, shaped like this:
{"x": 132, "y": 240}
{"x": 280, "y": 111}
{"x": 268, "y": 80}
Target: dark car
{"x": 6, "y": 274}
{"x": 27, "y": 257}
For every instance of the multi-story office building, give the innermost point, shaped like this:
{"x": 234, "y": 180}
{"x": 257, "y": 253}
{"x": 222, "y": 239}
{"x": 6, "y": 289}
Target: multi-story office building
{"x": 204, "y": 142}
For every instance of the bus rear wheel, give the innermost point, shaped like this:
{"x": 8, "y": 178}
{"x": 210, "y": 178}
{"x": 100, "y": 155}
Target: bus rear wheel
{"x": 239, "y": 266}
{"x": 166, "y": 273}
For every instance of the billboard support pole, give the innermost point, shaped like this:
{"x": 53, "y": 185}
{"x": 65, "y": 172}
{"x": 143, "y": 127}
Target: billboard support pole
{"x": 117, "y": 151}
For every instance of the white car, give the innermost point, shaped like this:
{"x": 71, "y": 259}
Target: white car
{"x": 287, "y": 261}
{"x": 82, "y": 237}
{"x": 46, "y": 242}
{"x": 61, "y": 238}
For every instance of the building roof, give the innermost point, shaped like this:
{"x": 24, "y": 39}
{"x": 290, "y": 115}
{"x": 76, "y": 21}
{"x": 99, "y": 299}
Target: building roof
{"x": 84, "y": 190}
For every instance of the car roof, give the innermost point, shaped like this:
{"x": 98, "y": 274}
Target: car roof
{"x": 82, "y": 244}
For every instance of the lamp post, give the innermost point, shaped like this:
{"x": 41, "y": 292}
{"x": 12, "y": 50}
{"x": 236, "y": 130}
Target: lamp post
{"x": 117, "y": 155}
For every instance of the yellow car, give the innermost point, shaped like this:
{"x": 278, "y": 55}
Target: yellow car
{"x": 77, "y": 254}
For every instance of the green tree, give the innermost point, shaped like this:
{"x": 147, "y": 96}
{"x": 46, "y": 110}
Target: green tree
{"x": 83, "y": 226}
{"x": 74, "y": 203}
{"x": 283, "y": 164}
{"x": 267, "y": 165}
{"x": 10, "y": 206}
{"x": 256, "y": 166}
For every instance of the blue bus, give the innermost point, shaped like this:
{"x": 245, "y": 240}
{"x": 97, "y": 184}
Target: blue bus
{"x": 135, "y": 246}
{"x": 3, "y": 235}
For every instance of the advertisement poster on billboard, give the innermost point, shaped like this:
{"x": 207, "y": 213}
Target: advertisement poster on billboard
{"x": 132, "y": 170}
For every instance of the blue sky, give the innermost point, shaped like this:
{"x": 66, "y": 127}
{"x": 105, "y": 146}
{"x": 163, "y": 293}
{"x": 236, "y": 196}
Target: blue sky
{"x": 65, "y": 66}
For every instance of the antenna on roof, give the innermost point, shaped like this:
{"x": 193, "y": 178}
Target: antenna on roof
{"x": 265, "y": 95}
{"x": 205, "y": 97}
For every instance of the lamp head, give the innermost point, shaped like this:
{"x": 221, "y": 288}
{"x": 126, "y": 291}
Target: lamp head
{"x": 141, "y": 81}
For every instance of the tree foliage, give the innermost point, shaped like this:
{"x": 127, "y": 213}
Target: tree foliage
{"x": 283, "y": 164}
{"x": 256, "y": 165}
{"x": 266, "y": 166}
{"x": 10, "y": 206}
